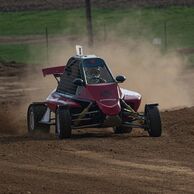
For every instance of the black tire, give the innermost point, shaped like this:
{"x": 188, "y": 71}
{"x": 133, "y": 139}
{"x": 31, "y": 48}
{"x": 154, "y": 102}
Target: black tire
{"x": 153, "y": 121}
{"x": 63, "y": 123}
{"x": 120, "y": 130}
{"x": 34, "y": 116}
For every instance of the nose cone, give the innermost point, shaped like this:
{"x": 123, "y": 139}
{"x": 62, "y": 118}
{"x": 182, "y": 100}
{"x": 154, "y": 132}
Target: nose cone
{"x": 107, "y": 97}
{"x": 109, "y": 106}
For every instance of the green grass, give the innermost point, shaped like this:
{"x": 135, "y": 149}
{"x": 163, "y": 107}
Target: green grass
{"x": 146, "y": 23}
{"x": 35, "y": 22}
{"x": 24, "y": 53}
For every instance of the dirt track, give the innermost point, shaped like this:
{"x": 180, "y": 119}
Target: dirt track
{"x": 96, "y": 161}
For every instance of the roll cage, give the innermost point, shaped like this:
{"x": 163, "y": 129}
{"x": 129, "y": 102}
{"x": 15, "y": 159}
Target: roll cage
{"x": 75, "y": 68}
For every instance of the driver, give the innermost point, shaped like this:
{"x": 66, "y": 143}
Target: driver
{"x": 93, "y": 75}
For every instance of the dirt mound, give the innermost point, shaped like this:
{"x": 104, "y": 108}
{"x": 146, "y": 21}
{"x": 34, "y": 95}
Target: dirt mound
{"x": 179, "y": 125}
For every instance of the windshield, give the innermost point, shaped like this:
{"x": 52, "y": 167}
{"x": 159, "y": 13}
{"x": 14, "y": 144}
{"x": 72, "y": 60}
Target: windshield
{"x": 96, "y": 71}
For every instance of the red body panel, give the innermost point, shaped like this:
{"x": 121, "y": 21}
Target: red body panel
{"x": 55, "y": 99}
{"x": 106, "y": 96}
{"x": 132, "y": 98}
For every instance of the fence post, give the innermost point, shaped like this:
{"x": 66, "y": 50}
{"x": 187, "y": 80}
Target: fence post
{"x": 165, "y": 36}
{"x": 105, "y": 32}
{"x": 89, "y": 22}
{"x": 47, "y": 46}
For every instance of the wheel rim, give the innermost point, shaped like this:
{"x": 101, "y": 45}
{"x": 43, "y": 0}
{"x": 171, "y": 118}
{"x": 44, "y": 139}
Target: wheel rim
{"x": 58, "y": 124}
{"x": 32, "y": 120}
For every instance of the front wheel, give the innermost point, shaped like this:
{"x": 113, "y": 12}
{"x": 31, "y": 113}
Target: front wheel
{"x": 34, "y": 116}
{"x": 63, "y": 123}
{"x": 153, "y": 121}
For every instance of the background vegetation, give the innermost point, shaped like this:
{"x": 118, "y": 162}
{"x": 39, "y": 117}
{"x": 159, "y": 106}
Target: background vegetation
{"x": 173, "y": 25}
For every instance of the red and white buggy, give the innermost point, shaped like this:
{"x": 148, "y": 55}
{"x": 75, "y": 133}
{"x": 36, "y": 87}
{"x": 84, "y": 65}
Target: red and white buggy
{"x": 89, "y": 96}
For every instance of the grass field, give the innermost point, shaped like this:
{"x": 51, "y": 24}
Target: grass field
{"x": 146, "y": 23}
{"x": 25, "y": 53}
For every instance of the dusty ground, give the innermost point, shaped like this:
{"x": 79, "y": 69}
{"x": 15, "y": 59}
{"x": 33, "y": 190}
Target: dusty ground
{"x": 93, "y": 161}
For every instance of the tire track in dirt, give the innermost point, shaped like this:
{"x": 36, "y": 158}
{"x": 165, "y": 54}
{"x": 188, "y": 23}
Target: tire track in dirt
{"x": 106, "y": 167}
{"x": 175, "y": 169}
{"x": 158, "y": 168}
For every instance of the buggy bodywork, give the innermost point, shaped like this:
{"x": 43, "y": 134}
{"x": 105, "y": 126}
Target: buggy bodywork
{"x": 83, "y": 101}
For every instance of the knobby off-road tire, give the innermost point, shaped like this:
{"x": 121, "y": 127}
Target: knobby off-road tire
{"x": 63, "y": 123}
{"x": 34, "y": 116}
{"x": 153, "y": 121}
{"x": 120, "y": 130}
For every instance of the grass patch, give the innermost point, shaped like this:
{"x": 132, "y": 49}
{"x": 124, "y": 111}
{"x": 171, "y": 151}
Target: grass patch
{"x": 146, "y": 23}
{"x": 35, "y": 22}
{"x": 23, "y": 53}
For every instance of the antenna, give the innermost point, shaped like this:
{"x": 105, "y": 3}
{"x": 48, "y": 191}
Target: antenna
{"x": 79, "y": 50}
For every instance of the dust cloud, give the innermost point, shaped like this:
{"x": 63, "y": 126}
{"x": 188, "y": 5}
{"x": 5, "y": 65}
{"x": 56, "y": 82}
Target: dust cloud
{"x": 157, "y": 76}
{"x": 12, "y": 119}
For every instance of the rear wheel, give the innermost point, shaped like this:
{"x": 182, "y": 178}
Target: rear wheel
{"x": 63, "y": 123}
{"x": 153, "y": 121}
{"x": 34, "y": 116}
{"x": 120, "y": 130}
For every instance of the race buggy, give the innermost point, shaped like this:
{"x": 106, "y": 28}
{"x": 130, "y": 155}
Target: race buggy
{"x": 88, "y": 96}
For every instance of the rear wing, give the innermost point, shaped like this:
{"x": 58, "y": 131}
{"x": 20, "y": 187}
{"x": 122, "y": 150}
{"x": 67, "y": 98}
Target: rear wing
{"x": 55, "y": 71}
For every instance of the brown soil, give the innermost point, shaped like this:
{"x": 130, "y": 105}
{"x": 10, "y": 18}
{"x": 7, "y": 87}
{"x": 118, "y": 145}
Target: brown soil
{"x": 28, "y": 39}
{"x": 96, "y": 160}
{"x": 12, "y": 84}
{"x": 13, "y": 5}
